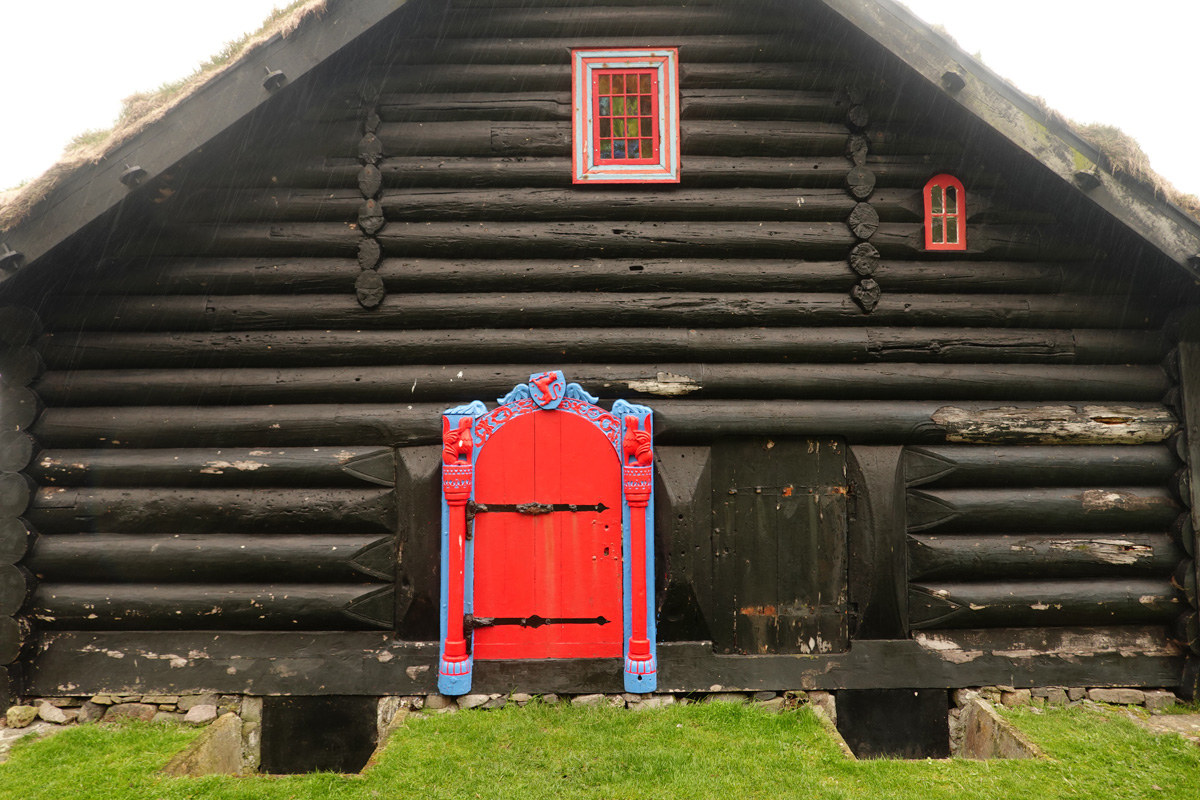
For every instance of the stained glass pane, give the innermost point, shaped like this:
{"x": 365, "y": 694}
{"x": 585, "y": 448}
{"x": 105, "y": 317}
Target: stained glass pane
{"x": 951, "y": 200}
{"x": 939, "y": 236}
{"x": 935, "y": 197}
{"x": 622, "y": 117}
{"x": 951, "y": 228}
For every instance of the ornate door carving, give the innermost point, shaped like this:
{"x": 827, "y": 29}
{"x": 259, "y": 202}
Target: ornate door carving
{"x": 547, "y": 539}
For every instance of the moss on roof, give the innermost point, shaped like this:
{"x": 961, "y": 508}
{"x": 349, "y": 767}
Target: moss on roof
{"x": 140, "y": 110}
{"x": 1122, "y": 152}
{"x": 1125, "y": 156}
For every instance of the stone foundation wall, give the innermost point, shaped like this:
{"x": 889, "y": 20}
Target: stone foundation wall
{"x": 202, "y": 709}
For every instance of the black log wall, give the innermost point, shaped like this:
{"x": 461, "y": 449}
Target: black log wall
{"x": 207, "y": 414}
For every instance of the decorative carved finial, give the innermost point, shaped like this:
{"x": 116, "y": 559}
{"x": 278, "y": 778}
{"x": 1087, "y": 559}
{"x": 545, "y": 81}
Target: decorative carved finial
{"x": 638, "y": 447}
{"x": 457, "y": 444}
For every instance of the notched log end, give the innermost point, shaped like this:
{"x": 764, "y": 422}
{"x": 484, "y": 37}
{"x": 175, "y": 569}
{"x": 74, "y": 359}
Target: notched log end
{"x": 867, "y": 294}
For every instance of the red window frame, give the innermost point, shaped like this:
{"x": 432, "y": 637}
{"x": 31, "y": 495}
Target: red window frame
{"x": 945, "y": 226}
{"x": 612, "y": 128}
{"x": 599, "y": 121}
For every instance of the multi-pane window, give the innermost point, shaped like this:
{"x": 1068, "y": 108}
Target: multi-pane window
{"x": 626, "y": 116}
{"x": 945, "y": 214}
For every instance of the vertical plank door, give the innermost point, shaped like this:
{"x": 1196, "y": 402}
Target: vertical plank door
{"x": 557, "y": 565}
{"x": 780, "y": 532}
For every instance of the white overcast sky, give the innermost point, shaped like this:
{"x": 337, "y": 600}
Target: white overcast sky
{"x": 65, "y": 65}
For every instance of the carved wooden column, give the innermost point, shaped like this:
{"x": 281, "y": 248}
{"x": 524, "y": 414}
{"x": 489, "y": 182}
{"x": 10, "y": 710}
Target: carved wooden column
{"x": 458, "y": 474}
{"x": 641, "y": 670}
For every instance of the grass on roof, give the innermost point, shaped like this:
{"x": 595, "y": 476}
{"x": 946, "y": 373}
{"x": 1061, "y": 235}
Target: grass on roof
{"x": 719, "y": 750}
{"x": 140, "y": 104}
{"x": 138, "y": 111}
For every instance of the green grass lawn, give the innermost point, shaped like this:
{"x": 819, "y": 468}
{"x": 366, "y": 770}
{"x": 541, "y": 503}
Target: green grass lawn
{"x": 706, "y": 751}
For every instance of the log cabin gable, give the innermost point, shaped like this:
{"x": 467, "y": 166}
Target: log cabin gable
{"x": 399, "y": 233}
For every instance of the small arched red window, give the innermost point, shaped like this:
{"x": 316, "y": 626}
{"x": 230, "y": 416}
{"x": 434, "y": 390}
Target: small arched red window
{"x": 945, "y": 214}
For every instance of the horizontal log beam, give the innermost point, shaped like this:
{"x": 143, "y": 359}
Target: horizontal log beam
{"x": 456, "y": 78}
{"x": 958, "y": 466}
{"x": 545, "y": 204}
{"x": 157, "y": 510}
{"x": 974, "y": 557}
{"x": 1123, "y": 601}
{"x": 677, "y": 421}
{"x": 323, "y": 276}
{"x": 594, "y": 309}
{"x": 105, "y": 350}
{"x": 620, "y": 239}
{"x": 487, "y": 138}
{"x": 292, "y": 606}
{"x": 702, "y": 171}
{"x": 270, "y": 663}
{"x": 645, "y": 20}
{"x": 294, "y": 204}
{"x": 693, "y": 49}
{"x": 447, "y": 382}
{"x": 694, "y": 104}
{"x": 205, "y": 558}
{"x": 307, "y": 467}
{"x": 1052, "y": 425}
{"x": 1050, "y": 510}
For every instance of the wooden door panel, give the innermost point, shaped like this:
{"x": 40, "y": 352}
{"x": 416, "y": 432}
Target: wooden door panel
{"x": 554, "y": 565}
{"x": 780, "y": 526}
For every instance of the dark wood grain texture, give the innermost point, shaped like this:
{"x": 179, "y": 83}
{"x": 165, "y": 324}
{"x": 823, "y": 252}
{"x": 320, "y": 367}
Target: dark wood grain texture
{"x": 680, "y": 422}
{"x": 961, "y": 466}
{"x": 250, "y": 386}
{"x": 1041, "y": 509}
{"x": 135, "y": 350}
{"x": 212, "y": 558}
{"x": 358, "y": 663}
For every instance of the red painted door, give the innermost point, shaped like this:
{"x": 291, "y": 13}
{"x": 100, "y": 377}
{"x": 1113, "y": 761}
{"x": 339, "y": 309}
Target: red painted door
{"x": 560, "y": 565}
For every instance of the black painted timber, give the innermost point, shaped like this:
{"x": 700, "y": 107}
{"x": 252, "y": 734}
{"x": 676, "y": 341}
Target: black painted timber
{"x": 74, "y": 663}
